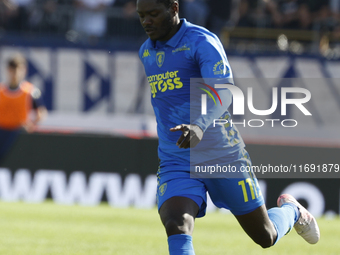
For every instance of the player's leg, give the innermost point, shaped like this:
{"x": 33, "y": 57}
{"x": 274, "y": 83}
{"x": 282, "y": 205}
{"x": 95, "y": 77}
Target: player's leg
{"x": 306, "y": 225}
{"x": 258, "y": 226}
{"x": 178, "y": 215}
{"x": 243, "y": 197}
{"x": 7, "y": 139}
{"x": 267, "y": 227}
{"x": 180, "y": 201}
{"x": 283, "y": 218}
{"x": 289, "y": 213}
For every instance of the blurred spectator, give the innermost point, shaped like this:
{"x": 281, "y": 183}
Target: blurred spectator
{"x": 222, "y": 13}
{"x": 297, "y": 14}
{"x": 19, "y": 18}
{"x": 7, "y": 9}
{"x": 245, "y": 19}
{"x": 335, "y": 13}
{"x": 335, "y": 9}
{"x": 252, "y": 14}
{"x": 90, "y": 19}
{"x": 285, "y": 13}
{"x": 129, "y": 8}
{"x": 195, "y": 11}
{"x": 45, "y": 17}
{"x": 123, "y": 20}
{"x": 17, "y": 99}
{"x": 313, "y": 11}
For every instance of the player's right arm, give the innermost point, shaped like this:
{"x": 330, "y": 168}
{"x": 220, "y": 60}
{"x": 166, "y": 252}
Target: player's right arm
{"x": 39, "y": 109}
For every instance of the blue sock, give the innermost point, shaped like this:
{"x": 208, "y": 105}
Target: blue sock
{"x": 180, "y": 245}
{"x": 283, "y": 218}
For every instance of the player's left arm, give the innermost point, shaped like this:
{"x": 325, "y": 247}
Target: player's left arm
{"x": 209, "y": 54}
{"x": 40, "y": 111}
{"x": 192, "y": 134}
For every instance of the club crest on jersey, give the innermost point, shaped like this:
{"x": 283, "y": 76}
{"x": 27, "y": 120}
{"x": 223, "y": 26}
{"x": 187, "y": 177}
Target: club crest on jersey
{"x": 162, "y": 189}
{"x": 160, "y": 58}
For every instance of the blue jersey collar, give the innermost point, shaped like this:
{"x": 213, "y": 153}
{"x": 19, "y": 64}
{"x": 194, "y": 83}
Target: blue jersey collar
{"x": 173, "y": 41}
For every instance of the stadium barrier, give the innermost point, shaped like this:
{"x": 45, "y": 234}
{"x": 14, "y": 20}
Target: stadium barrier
{"x": 81, "y": 84}
{"x": 90, "y": 169}
{"x": 106, "y": 81}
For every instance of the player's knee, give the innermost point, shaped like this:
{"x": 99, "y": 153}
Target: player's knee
{"x": 265, "y": 240}
{"x": 183, "y": 224}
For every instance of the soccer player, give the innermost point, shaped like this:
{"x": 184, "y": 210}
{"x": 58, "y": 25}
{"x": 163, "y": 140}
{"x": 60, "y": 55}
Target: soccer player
{"x": 175, "y": 52}
{"x": 18, "y": 98}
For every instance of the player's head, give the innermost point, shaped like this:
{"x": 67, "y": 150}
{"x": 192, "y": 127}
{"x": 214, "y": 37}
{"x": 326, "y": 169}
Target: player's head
{"x": 159, "y": 18}
{"x": 16, "y": 66}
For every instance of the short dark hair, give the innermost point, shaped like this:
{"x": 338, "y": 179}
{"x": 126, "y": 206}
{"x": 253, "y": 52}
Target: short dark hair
{"x": 167, "y": 3}
{"x": 16, "y": 60}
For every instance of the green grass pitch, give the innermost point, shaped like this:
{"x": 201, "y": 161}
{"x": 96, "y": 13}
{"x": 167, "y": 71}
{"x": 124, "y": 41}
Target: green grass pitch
{"x": 43, "y": 229}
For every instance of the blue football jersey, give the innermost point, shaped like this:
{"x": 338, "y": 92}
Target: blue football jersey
{"x": 193, "y": 52}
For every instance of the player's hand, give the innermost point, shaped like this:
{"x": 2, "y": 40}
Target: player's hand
{"x": 191, "y": 136}
{"x": 29, "y": 127}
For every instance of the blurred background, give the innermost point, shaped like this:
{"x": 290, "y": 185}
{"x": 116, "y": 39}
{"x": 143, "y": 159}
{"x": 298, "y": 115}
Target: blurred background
{"x": 101, "y": 131}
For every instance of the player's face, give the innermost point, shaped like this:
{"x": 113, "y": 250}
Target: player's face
{"x": 16, "y": 74}
{"x": 159, "y": 22}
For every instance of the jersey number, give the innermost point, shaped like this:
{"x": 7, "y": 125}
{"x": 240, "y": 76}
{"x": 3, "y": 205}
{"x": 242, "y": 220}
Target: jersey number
{"x": 252, "y": 187}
